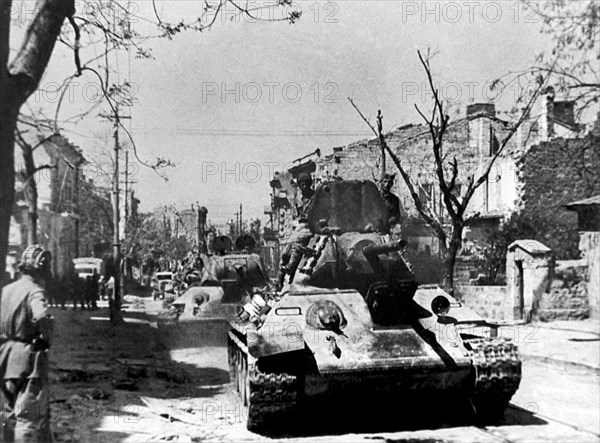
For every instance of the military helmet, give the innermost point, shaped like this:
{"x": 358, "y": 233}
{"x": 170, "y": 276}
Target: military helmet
{"x": 35, "y": 258}
{"x": 304, "y": 178}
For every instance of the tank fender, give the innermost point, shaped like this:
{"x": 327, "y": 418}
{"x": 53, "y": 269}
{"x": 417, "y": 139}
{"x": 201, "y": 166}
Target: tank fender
{"x": 458, "y": 311}
{"x": 196, "y": 299}
{"x": 283, "y": 331}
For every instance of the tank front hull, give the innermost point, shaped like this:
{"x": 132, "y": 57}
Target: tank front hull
{"x": 377, "y": 381}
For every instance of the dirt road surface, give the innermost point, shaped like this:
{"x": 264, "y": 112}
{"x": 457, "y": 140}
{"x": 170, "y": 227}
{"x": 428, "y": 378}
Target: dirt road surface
{"x": 138, "y": 382}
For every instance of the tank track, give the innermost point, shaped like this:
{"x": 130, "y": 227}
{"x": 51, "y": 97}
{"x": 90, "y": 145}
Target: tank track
{"x": 268, "y": 396}
{"x": 497, "y": 370}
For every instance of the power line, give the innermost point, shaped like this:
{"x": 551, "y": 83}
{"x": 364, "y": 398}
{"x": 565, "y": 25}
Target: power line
{"x": 254, "y": 133}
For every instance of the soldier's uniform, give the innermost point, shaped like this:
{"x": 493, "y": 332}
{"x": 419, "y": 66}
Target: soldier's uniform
{"x": 392, "y": 203}
{"x": 301, "y": 235}
{"x": 25, "y": 335}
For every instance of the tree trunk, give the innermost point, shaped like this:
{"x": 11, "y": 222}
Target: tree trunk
{"x": 8, "y": 123}
{"x": 449, "y": 254}
{"x": 31, "y": 195}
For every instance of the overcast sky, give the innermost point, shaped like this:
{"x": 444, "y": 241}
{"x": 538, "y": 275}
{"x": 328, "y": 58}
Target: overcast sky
{"x": 230, "y": 105}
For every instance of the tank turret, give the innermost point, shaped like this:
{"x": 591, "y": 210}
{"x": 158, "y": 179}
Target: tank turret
{"x": 352, "y": 249}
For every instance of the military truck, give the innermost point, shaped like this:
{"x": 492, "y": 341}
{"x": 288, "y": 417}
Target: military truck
{"x": 88, "y": 266}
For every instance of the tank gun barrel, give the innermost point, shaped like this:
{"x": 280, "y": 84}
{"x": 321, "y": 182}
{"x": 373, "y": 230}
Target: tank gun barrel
{"x": 384, "y": 248}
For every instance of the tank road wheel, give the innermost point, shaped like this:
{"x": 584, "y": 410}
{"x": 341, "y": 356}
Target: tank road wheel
{"x": 497, "y": 375}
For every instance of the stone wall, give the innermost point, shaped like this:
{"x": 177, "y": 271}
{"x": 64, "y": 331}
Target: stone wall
{"x": 567, "y": 297}
{"x": 465, "y": 271}
{"x": 488, "y": 301}
{"x": 552, "y": 175}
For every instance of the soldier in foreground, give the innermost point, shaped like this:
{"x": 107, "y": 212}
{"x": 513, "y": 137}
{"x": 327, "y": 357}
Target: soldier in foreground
{"x": 25, "y": 335}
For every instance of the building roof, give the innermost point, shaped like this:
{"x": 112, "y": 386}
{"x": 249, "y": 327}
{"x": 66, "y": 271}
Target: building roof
{"x": 530, "y": 246}
{"x": 588, "y": 202}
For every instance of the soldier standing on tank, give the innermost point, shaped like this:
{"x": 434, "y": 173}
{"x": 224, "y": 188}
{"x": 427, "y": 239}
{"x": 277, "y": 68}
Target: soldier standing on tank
{"x": 25, "y": 336}
{"x": 392, "y": 202}
{"x": 301, "y": 235}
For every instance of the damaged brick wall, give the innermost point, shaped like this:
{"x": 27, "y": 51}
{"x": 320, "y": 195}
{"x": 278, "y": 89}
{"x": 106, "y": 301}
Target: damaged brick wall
{"x": 553, "y": 174}
{"x": 412, "y": 144}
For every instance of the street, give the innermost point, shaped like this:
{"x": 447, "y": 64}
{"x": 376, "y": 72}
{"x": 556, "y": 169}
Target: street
{"x": 142, "y": 383}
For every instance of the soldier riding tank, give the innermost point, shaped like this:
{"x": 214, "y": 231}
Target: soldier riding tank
{"x": 353, "y": 316}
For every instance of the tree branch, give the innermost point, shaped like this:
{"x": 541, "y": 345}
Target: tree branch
{"x": 76, "y": 45}
{"x": 437, "y": 138}
{"x": 363, "y": 117}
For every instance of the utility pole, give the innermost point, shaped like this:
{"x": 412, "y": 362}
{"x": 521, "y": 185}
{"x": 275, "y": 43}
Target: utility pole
{"x": 241, "y": 226}
{"x": 116, "y": 239}
{"x": 198, "y": 229}
{"x": 115, "y": 308}
{"x": 126, "y": 193}
{"x": 165, "y": 226}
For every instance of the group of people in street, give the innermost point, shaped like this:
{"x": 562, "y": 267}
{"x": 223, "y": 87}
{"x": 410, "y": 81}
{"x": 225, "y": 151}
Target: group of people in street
{"x": 80, "y": 292}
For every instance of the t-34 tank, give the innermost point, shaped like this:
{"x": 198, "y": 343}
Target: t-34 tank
{"x": 227, "y": 281}
{"x": 353, "y": 319}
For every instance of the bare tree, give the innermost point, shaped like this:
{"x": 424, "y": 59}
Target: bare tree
{"x": 447, "y": 175}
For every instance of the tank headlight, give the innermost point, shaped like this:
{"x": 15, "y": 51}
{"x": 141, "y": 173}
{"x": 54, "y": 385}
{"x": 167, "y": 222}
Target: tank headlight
{"x": 329, "y": 317}
{"x": 325, "y": 314}
{"x": 440, "y": 305}
{"x": 254, "y": 309}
